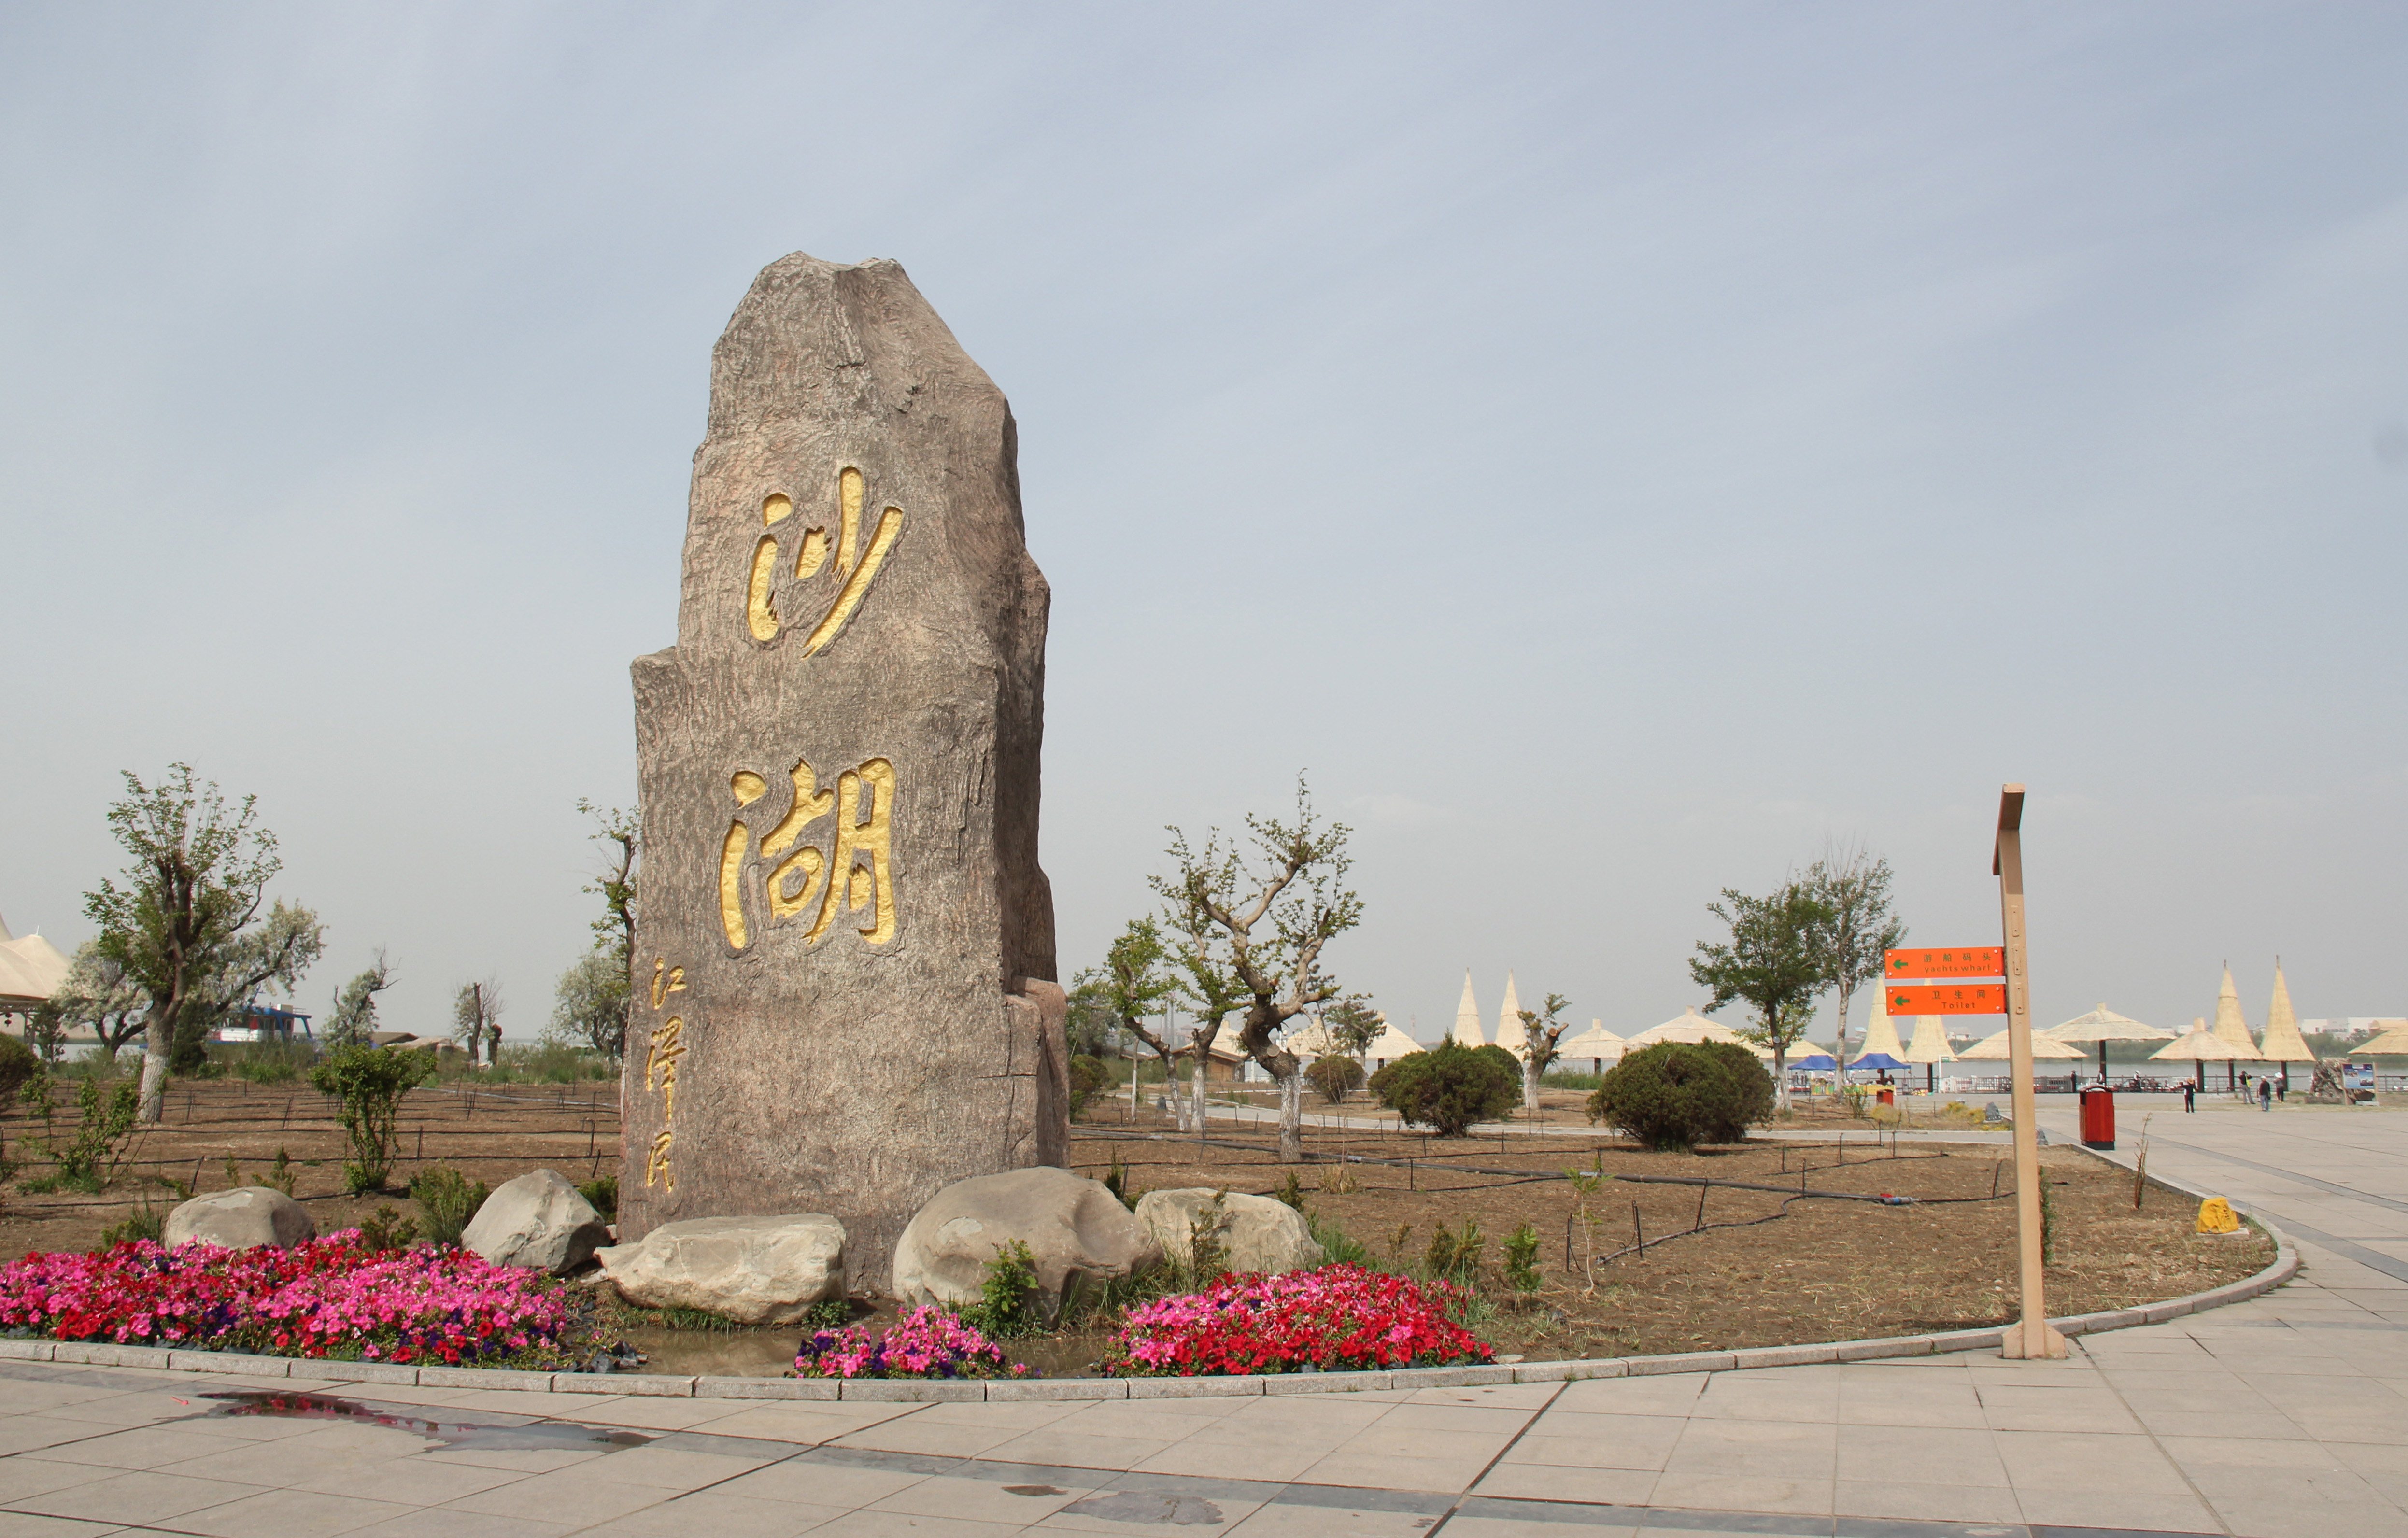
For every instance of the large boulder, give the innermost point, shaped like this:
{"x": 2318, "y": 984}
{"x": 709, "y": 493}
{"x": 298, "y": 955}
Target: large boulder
{"x": 538, "y": 1221}
{"x": 1257, "y": 1233}
{"x": 1074, "y": 1228}
{"x": 751, "y": 1270}
{"x": 243, "y": 1218}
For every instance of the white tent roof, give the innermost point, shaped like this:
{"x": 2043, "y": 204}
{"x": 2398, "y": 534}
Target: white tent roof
{"x": 1931, "y": 1043}
{"x": 2104, "y": 1024}
{"x": 1692, "y": 1026}
{"x": 2203, "y": 1046}
{"x": 1313, "y": 1037}
{"x": 1392, "y": 1043}
{"x": 31, "y": 970}
{"x": 1995, "y": 1049}
{"x": 1509, "y": 1034}
{"x": 1595, "y": 1042}
{"x": 1467, "y": 1017}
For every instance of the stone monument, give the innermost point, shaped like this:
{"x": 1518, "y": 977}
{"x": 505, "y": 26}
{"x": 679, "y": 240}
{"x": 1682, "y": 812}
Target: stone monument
{"x": 844, "y": 996}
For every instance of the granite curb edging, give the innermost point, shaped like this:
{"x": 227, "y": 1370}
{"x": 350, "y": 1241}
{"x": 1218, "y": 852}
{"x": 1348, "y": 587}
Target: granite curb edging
{"x": 2285, "y": 1265}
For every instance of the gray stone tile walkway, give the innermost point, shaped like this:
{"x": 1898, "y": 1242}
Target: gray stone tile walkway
{"x": 2282, "y": 1417}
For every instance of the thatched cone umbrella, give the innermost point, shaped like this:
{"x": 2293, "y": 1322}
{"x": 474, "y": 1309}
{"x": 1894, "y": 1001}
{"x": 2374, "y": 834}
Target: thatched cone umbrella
{"x": 2231, "y": 1029}
{"x": 2203, "y": 1047}
{"x": 1509, "y": 1033}
{"x": 1930, "y": 1047}
{"x": 1467, "y": 1017}
{"x": 1995, "y": 1049}
{"x": 1881, "y": 1033}
{"x": 2390, "y": 1043}
{"x": 2283, "y": 1042}
{"x": 2103, "y": 1025}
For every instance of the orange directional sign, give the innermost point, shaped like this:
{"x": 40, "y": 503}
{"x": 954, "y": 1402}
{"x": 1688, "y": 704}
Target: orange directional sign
{"x": 1945, "y": 999}
{"x": 1963, "y": 962}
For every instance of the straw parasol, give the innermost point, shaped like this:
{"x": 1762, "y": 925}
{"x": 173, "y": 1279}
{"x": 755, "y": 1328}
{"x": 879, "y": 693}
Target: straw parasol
{"x": 2103, "y": 1025}
{"x": 1930, "y": 1048}
{"x": 1597, "y": 1044}
{"x": 1881, "y": 1033}
{"x": 1467, "y": 1017}
{"x": 2228, "y": 1025}
{"x": 1995, "y": 1050}
{"x": 2390, "y": 1042}
{"x": 2203, "y": 1047}
{"x": 1509, "y": 1034}
{"x": 1392, "y": 1043}
{"x": 1692, "y": 1026}
{"x": 2282, "y": 1043}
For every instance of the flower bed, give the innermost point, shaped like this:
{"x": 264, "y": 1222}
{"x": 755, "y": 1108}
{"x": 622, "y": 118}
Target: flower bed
{"x": 926, "y": 1343}
{"x": 1334, "y": 1318}
{"x": 326, "y": 1297}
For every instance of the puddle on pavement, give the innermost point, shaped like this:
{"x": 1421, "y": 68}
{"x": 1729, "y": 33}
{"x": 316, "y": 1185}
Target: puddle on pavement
{"x": 542, "y": 1436}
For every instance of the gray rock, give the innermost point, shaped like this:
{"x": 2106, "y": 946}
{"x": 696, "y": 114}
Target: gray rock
{"x": 1074, "y": 1228}
{"x": 751, "y": 1270}
{"x": 842, "y": 1002}
{"x": 241, "y": 1218}
{"x": 537, "y": 1221}
{"x": 1257, "y": 1233}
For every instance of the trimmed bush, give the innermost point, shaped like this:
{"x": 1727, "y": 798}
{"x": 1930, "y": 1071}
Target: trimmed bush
{"x": 1087, "y": 1076}
{"x": 18, "y": 1063}
{"x": 1450, "y": 1086}
{"x": 1333, "y": 1076}
{"x": 1677, "y": 1095}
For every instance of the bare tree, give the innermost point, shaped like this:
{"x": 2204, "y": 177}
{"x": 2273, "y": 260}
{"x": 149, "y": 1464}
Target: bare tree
{"x": 1540, "y": 1030}
{"x": 1253, "y": 925}
{"x": 477, "y": 1014}
{"x": 1851, "y": 885}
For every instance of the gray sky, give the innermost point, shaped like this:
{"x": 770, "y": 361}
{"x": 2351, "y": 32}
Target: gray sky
{"x": 1612, "y": 449}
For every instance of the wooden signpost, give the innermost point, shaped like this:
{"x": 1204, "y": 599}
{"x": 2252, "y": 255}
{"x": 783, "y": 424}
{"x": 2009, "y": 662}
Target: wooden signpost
{"x": 2030, "y": 1336}
{"x": 2006, "y": 989}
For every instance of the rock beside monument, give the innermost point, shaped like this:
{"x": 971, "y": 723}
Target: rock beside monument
{"x": 1074, "y": 1228}
{"x": 751, "y": 1270}
{"x": 538, "y": 1221}
{"x": 1257, "y": 1233}
{"x": 242, "y": 1218}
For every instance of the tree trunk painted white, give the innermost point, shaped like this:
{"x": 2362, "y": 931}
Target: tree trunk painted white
{"x": 155, "y": 1075}
{"x": 1291, "y": 1122}
{"x": 1530, "y": 1071}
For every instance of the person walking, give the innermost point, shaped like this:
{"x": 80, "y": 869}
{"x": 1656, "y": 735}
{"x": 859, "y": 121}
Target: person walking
{"x": 2190, "y": 1092}
{"x": 2283, "y": 1090}
{"x": 2265, "y": 1093}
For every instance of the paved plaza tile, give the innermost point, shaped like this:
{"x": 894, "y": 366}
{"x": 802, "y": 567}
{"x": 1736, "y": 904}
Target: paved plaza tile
{"x": 2286, "y": 1416}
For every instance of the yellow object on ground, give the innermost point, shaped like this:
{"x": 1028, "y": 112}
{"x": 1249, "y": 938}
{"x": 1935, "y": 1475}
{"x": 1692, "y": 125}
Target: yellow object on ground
{"x": 2215, "y": 1216}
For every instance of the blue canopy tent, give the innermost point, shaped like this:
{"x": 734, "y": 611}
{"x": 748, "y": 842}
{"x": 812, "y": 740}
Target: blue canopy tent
{"x": 1821, "y": 1063}
{"x": 1878, "y": 1060}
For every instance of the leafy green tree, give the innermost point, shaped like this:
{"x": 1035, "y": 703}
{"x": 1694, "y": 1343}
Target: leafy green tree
{"x": 1354, "y": 1024}
{"x": 367, "y": 1083}
{"x": 1252, "y": 924}
{"x": 271, "y": 956}
{"x": 1541, "y": 1031}
{"x": 1773, "y": 961}
{"x": 1852, "y": 886}
{"x": 477, "y": 1017}
{"x": 96, "y": 994}
{"x": 1136, "y": 980}
{"x": 196, "y": 877}
{"x": 589, "y": 1007}
{"x": 354, "y": 1016}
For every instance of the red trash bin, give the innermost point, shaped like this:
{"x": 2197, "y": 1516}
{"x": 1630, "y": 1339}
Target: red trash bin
{"x": 1888, "y": 1097}
{"x": 2098, "y": 1118}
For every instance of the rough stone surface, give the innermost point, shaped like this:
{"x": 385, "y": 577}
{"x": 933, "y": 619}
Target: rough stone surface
{"x": 241, "y": 1218}
{"x": 537, "y": 1221}
{"x": 1258, "y": 1233}
{"x": 845, "y": 949}
{"x": 751, "y": 1270}
{"x": 1073, "y": 1227}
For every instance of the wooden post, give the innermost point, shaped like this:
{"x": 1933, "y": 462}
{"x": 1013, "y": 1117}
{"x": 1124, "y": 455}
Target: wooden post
{"x": 2030, "y": 1336}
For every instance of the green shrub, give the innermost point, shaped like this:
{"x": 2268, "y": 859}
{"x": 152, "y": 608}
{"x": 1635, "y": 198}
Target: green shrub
{"x": 386, "y": 1228}
{"x": 447, "y": 1200}
{"x": 1450, "y": 1086}
{"x": 1087, "y": 1076}
{"x": 367, "y": 1083}
{"x": 1678, "y": 1094}
{"x": 1521, "y": 1259}
{"x": 1008, "y": 1303}
{"x": 603, "y": 1196}
{"x": 141, "y": 1222}
{"x": 18, "y": 1063}
{"x": 1502, "y": 1059}
{"x": 1457, "y": 1256}
{"x": 90, "y": 1159}
{"x": 1333, "y": 1076}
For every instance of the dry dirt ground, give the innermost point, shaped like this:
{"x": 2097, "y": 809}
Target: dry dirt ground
{"x": 488, "y": 1132}
{"x": 1768, "y": 1268}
